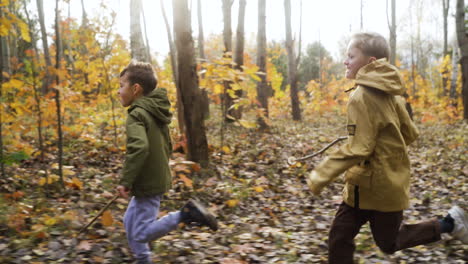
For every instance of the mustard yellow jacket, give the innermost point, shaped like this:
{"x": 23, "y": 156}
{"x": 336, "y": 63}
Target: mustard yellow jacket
{"x": 374, "y": 159}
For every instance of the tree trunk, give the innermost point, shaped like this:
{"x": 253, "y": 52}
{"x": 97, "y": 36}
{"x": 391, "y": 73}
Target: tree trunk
{"x": 453, "y": 84}
{"x": 4, "y": 56}
{"x": 147, "y": 49}
{"x": 463, "y": 44}
{"x": 262, "y": 95}
{"x": 445, "y": 9}
{"x": 393, "y": 35}
{"x": 201, "y": 37}
{"x": 188, "y": 82}
{"x": 173, "y": 56}
{"x": 137, "y": 46}
{"x": 45, "y": 45}
{"x": 292, "y": 66}
{"x": 239, "y": 52}
{"x": 58, "y": 58}
{"x": 201, "y": 54}
{"x": 84, "y": 16}
{"x": 228, "y": 99}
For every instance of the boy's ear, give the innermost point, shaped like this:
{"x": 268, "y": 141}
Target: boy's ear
{"x": 137, "y": 89}
{"x": 372, "y": 59}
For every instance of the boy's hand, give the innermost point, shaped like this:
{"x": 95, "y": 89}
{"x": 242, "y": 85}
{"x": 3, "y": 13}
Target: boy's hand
{"x": 122, "y": 191}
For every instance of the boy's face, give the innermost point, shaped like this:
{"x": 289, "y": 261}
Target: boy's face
{"x": 355, "y": 60}
{"x": 127, "y": 92}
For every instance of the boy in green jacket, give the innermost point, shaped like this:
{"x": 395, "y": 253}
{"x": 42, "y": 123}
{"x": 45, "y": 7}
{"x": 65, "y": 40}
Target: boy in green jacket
{"x": 146, "y": 173}
{"x": 375, "y": 160}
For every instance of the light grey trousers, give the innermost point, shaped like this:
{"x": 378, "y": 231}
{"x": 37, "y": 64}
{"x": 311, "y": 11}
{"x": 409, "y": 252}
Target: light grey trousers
{"x": 142, "y": 226}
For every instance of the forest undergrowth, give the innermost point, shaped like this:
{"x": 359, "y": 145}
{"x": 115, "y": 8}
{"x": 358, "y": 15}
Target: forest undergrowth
{"x": 265, "y": 210}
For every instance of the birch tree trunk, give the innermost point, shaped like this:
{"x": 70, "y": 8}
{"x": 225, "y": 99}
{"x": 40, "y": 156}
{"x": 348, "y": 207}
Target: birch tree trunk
{"x": 45, "y": 45}
{"x": 453, "y": 83}
{"x": 445, "y": 9}
{"x": 239, "y": 52}
{"x": 58, "y": 58}
{"x": 463, "y": 44}
{"x": 137, "y": 46}
{"x": 292, "y": 66}
{"x": 262, "y": 94}
{"x": 197, "y": 144}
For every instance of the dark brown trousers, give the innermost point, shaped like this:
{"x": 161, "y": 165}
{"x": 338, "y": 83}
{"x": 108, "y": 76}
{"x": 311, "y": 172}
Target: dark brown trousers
{"x": 388, "y": 232}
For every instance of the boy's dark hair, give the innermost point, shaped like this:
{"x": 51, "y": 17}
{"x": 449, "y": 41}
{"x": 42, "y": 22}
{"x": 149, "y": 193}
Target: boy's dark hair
{"x": 371, "y": 44}
{"x": 141, "y": 73}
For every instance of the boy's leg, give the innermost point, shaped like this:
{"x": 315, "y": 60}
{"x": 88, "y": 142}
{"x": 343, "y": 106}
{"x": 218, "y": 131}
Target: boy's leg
{"x": 142, "y": 227}
{"x": 344, "y": 228}
{"x": 391, "y": 236}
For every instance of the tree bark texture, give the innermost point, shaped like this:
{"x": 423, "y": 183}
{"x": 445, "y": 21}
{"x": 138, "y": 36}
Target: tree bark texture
{"x": 262, "y": 93}
{"x": 463, "y": 44}
{"x": 137, "y": 46}
{"x": 292, "y": 66}
{"x": 197, "y": 144}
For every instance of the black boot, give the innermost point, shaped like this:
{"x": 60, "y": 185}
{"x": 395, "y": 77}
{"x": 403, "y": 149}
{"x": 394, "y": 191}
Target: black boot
{"x": 194, "y": 212}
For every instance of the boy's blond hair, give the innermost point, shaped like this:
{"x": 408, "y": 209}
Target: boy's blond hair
{"x": 371, "y": 44}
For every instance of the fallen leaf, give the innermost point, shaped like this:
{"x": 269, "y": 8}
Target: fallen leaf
{"x": 107, "y": 219}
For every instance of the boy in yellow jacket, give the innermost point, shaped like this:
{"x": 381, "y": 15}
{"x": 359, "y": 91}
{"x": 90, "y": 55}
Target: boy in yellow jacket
{"x": 375, "y": 160}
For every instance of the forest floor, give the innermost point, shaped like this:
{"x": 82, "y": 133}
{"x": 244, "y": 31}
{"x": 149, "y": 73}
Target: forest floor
{"x": 265, "y": 210}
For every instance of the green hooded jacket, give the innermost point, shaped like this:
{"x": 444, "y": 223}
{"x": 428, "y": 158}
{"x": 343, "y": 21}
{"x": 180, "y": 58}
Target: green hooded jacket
{"x": 146, "y": 169}
{"x": 374, "y": 159}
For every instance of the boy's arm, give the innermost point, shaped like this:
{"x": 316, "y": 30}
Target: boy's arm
{"x": 137, "y": 150}
{"x": 362, "y": 133}
{"x": 407, "y": 127}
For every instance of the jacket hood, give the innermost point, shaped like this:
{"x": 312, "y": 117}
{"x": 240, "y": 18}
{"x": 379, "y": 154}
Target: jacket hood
{"x": 157, "y": 104}
{"x": 381, "y": 75}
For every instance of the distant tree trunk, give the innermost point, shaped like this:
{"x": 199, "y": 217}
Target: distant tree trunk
{"x": 228, "y": 99}
{"x": 262, "y": 93}
{"x": 362, "y": 24}
{"x": 173, "y": 56}
{"x": 463, "y": 44}
{"x": 413, "y": 63}
{"x": 37, "y": 98}
{"x": 58, "y": 57}
{"x": 4, "y": 67}
{"x": 201, "y": 37}
{"x": 45, "y": 45}
{"x": 392, "y": 29}
{"x": 445, "y": 9}
{"x": 239, "y": 52}
{"x": 84, "y": 16}
{"x": 453, "y": 83}
{"x": 292, "y": 66}
{"x": 137, "y": 45}
{"x": 147, "y": 48}
{"x": 188, "y": 82}
{"x": 201, "y": 54}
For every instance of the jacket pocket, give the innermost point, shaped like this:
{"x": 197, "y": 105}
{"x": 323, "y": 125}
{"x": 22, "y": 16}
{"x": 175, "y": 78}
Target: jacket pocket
{"x": 359, "y": 175}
